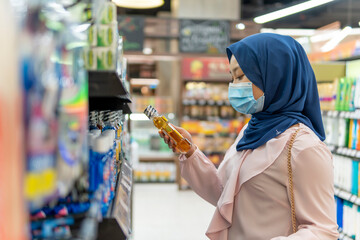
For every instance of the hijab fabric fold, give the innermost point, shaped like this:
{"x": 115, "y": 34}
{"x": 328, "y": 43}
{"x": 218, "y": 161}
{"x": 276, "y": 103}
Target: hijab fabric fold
{"x": 278, "y": 65}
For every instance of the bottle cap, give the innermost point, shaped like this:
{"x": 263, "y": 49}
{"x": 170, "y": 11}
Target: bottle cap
{"x": 150, "y": 111}
{"x": 101, "y": 144}
{"x": 96, "y": 132}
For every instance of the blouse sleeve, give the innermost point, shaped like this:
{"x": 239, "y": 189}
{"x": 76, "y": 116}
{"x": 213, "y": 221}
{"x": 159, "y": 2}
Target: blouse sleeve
{"x": 314, "y": 195}
{"x": 202, "y": 176}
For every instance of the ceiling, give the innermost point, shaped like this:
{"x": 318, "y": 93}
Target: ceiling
{"x": 345, "y": 11}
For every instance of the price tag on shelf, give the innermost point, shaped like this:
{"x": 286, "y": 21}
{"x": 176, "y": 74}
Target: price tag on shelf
{"x": 192, "y": 102}
{"x": 202, "y": 102}
{"x": 186, "y": 102}
{"x": 352, "y": 198}
{"x": 347, "y": 114}
{"x": 336, "y": 114}
{"x": 340, "y": 150}
{"x": 353, "y": 153}
{"x": 345, "y": 195}
{"x": 348, "y": 152}
{"x": 342, "y": 114}
{"x": 357, "y": 154}
{"x": 357, "y": 202}
{"x": 220, "y": 102}
{"x": 211, "y": 102}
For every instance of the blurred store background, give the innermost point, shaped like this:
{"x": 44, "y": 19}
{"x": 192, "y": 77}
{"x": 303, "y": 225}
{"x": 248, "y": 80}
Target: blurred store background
{"x": 77, "y": 75}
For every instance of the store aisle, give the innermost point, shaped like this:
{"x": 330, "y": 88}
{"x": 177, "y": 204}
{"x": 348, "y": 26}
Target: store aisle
{"x": 162, "y": 212}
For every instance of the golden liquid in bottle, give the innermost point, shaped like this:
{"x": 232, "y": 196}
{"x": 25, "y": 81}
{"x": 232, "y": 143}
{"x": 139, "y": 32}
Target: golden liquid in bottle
{"x": 182, "y": 144}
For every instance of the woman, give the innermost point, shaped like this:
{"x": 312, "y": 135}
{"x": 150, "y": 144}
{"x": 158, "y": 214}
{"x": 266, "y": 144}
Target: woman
{"x": 271, "y": 79}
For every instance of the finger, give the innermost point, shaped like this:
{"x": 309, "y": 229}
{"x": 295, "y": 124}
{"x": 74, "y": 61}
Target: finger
{"x": 167, "y": 139}
{"x": 161, "y": 134}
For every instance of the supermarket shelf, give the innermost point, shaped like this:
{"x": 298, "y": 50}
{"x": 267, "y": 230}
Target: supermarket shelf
{"x": 109, "y": 103}
{"x": 106, "y": 84}
{"x": 153, "y": 156}
{"x": 345, "y": 195}
{"x": 150, "y": 182}
{"x": 344, "y": 236}
{"x": 346, "y": 152}
{"x": 187, "y": 102}
{"x": 342, "y": 114}
{"x": 157, "y": 159}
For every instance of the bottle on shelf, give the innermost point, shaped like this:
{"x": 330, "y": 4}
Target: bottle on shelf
{"x": 161, "y": 122}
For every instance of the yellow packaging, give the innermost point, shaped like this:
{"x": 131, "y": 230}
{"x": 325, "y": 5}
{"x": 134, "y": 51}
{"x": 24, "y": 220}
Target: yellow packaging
{"x": 90, "y": 59}
{"x": 92, "y": 36}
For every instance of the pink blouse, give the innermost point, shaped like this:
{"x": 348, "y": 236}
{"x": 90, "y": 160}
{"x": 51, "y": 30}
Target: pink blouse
{"x": 250, "y": 189}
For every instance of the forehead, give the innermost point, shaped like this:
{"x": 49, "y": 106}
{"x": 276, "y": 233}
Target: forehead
{"x": 233, "y": 63}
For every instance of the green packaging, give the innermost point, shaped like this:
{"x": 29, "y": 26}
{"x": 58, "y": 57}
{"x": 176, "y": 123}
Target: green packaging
{"x": 107, "y": 35}
{"x": 108, "y": 14}
{"x": 106, "y": 58}
{"x": 339, "y": 95}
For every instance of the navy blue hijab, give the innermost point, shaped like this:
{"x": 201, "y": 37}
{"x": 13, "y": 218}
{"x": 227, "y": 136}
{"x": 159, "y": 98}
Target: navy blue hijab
{"x": 278, "y": 65}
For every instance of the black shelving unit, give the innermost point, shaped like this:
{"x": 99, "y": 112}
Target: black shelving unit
{"x": 106, "y": 92}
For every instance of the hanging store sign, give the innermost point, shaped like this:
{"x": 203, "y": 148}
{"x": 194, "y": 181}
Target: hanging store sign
{"x": 204, "y": 36}
{"x": 205, "y": 69}
{"x": 132, "y": 30}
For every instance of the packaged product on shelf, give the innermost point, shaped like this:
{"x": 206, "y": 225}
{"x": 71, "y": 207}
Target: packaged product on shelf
{"x": 108, "y": 14}
{"x": 72, "y": 113}
{"x": 346, "y": 174}
{"x": 107, "y": 35}
{"x": 340, "y": 95}
{"x": 327, "y": 95}
{"x": 357, "y": 93}
{"x": 41, "y": 93}
{"x": 92, "y": 36}
{"x": 90, "y": 59}
{"x": 105, "y": 57}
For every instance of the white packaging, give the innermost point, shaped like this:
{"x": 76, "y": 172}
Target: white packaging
{"x": 106, "y": 58}
{"x": 107, "y": 35}
{"x": 108, "y": 14}
{"x": 342, "y": 132}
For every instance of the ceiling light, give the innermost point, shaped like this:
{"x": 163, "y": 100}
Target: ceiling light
{"x": 330, "y": 45}
{"x": 289, "y": 31}
{"x": 290, "y": 10}
{"x": 240, "y": 26}
{"x": 139, "y": 4}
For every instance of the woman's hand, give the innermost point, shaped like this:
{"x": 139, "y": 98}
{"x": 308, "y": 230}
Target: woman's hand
{"x": 172, "y": 144}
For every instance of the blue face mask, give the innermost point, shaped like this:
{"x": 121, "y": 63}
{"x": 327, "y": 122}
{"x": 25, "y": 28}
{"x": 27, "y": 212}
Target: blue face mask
{"x": 242, "y": 99}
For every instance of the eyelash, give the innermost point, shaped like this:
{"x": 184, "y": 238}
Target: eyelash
{"x": 238, "y": 78}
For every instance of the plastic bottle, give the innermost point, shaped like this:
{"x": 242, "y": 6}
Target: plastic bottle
{"x": 182, "y": 144}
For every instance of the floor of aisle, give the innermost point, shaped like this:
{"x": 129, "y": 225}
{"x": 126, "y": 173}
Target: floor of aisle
{"x": 162, "y": 212}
